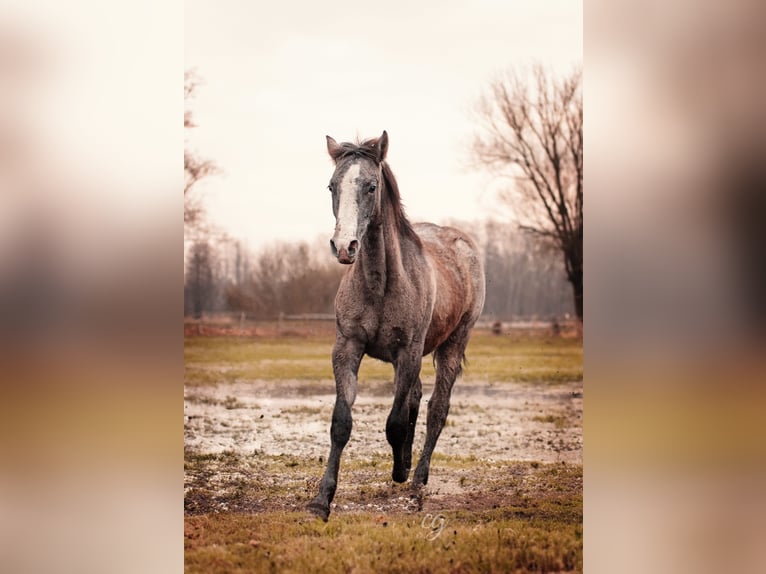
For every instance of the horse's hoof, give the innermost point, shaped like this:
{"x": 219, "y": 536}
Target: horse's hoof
{"x": 416, "y": 494}
{"x": 400, "y": 475}
{"x": 319, "y": 510}
{"x": 420, "y": 479}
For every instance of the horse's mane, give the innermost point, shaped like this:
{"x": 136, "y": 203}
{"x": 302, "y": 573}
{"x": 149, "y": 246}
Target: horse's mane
{"x": 369, "y": 149}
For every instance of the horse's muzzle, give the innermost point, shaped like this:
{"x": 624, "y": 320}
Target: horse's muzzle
{"x": 345, "y": 255}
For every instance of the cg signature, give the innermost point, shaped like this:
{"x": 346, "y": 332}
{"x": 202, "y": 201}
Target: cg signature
{"x": 434, "y": 524}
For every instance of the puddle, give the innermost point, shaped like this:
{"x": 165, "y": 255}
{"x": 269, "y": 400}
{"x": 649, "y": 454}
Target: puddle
{"x": 502, "y": 421}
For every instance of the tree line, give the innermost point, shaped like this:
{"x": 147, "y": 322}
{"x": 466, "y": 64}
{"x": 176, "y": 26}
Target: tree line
{"x": 525, "y": 277}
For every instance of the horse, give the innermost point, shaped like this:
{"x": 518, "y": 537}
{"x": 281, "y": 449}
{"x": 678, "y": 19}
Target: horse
{"x": 410, "y": 290}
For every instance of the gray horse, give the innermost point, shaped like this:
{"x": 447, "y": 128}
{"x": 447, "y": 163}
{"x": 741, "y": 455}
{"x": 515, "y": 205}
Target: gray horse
{"x": 410, "y": 290}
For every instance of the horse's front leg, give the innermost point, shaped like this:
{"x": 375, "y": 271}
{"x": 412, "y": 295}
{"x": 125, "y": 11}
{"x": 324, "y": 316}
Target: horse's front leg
{"x": 400, "y": 423}
{"x": 346, "y": 357}
{"x": 413, "y": 406}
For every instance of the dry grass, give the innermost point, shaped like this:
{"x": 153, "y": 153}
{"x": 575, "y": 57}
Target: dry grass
{"x": 501, "y": 517}
{"x": 211, "y": 360}
{"x": 558, "y": 420}
{"x": 291, "y": 542}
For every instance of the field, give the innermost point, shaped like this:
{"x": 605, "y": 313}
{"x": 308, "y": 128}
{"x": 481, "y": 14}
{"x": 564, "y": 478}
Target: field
{"x": 504, "y": 494}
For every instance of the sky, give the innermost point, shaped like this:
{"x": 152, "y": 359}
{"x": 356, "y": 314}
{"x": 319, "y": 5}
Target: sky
{"x": 277, "y": 77}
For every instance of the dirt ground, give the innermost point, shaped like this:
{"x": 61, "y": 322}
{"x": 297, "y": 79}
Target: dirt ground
{"x": 260, "y": 445}
{"x": 519, "y": 421}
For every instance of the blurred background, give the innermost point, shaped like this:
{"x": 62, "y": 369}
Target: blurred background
{"x": 674, "y": 357}
{"x": 90, "y": 240}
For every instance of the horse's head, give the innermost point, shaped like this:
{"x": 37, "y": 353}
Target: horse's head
{"x": 355, "y": 186}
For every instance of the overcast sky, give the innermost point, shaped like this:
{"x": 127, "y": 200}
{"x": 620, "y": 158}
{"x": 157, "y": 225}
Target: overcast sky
{"x": 279, "y": 76}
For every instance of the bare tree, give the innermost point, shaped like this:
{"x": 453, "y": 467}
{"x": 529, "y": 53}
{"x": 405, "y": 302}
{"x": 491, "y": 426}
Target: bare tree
{"x": 534, "y": 136}
{"x": 200, "y": 279}
{"x": 282, "y": 278}
{"x": 195, "y": 167}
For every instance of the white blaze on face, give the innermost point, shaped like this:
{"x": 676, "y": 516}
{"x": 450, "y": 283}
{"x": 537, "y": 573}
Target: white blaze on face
{"x": 348, "y": 209}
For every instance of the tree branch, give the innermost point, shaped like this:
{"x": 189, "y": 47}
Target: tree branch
{"x": 535, "y": 138}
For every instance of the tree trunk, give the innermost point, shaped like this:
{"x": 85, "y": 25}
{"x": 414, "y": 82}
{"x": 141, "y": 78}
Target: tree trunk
{"x": 573, "y": 262}
{"x": 578, "y": 292}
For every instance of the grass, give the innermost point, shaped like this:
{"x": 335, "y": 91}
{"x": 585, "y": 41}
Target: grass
{"x": 229, "y": 402}
{"x": 530, "y": 359}
{"x": 301, "y": 410}
{"x": 507, "y": 516}
{"x": 290, "y": 542}
{"x": 212, "y": 360}
{"x": 559, "y": 421}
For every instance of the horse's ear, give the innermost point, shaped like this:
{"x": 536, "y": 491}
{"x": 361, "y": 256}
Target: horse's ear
{"x": 382, "y": 146}
{"x": 333, "y": 148}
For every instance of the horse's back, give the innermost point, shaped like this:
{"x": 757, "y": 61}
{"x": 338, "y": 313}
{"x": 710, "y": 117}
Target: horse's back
{"x": 454, "y": 247}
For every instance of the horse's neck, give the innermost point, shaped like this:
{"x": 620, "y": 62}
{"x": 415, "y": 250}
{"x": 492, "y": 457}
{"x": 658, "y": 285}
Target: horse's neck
{"x": 381, "y": 255}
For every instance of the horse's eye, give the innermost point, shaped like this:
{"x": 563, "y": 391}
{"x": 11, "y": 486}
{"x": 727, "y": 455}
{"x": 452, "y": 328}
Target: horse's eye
{"x": 329, "y": 187}
{"x": 372, "y": 187}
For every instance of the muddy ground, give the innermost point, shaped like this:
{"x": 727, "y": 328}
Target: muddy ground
{"x": 260, "y": 445}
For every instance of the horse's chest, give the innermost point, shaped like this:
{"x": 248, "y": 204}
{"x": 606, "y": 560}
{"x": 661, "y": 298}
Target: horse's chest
{"x": 389, "y": 340}
{"x": 387, "y": 325}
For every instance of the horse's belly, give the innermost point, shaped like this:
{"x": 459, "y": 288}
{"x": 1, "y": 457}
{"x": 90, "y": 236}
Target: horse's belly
{"x": 451, "y": 303}
{"x": 439, "y": 330}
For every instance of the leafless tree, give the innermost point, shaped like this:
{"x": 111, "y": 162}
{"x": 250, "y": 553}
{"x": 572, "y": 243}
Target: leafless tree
{"x": 195, "y": 167}
{"x": 200, "y": 279}
{"x": 287, "y": 278}
{"x": 531, "y": 132}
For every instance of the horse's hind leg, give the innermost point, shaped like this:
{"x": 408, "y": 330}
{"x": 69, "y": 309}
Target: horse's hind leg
{"x": 346, "y": 357}
{"x": 449, "y": 357}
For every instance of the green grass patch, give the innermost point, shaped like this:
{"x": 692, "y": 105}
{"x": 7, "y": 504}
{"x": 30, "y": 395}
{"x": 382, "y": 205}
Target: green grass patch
{"x": 531, "y": 359}
{"x": 213, "y": 360}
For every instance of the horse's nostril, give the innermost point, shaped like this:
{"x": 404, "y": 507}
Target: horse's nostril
{"x": 333, "y": 248}
{"x": 352, "y": 247}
